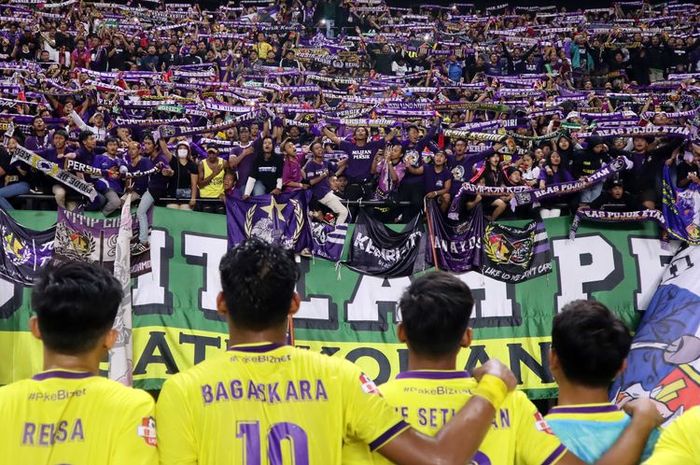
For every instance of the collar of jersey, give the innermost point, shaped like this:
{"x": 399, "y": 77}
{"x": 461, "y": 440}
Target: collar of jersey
{"x": 64, "y": 374}
{"x": 257, "y": 347}
{"x": 585, "y": 408}
{"x": 433, "y": 374}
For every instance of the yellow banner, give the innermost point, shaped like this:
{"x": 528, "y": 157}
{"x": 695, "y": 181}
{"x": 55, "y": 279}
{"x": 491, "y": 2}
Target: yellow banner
{"x": 160, "y": 352}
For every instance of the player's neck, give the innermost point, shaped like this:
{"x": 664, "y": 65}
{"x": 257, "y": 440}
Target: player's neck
{"x": 89, "y": 362}
{"x": 419, "y": 362}
{"x": 241, "y": 336}
{"x": 571, "y": 394}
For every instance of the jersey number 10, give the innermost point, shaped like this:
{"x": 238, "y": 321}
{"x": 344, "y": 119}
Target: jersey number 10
{"x": 249, "y": 431}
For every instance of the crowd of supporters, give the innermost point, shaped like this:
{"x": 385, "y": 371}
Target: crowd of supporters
{"x": 351, "y": 100}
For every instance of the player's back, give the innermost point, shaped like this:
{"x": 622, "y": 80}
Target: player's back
{"x": 267, "y": 403}
{"x": 428, "y": 399}
{"x": 76, "y": 418}
{"x": 590, "y": 430}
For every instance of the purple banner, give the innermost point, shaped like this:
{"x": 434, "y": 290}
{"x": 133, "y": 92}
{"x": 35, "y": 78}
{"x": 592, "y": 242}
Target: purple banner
{"x": 281, "y": 219}
{"x": 456, "y": 247}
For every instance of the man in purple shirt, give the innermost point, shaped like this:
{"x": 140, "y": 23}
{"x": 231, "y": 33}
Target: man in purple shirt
{"x": 411, "y": 187}
{"x": 361, "y": 152}
{"x": 110, "y": 184}
{"x": 40, "y": 138}
{"x": 316, "y": 173}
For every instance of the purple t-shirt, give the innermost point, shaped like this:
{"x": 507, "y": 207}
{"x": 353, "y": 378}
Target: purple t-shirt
{"x": 291, "y": 172}
{"x": 560, "y": 176}
{"x": 140, "y": 182}
{"x": 107, "y": 164}
{"x": 313, "y": 170}
{"x": 434, "y": 181}
{"x": 360, "y": 159}
{"x": 244, "y": 167}
{"x": 157, "y": 183}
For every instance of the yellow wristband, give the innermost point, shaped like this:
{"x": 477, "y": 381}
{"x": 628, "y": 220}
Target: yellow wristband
{"x": 493, "y": 389}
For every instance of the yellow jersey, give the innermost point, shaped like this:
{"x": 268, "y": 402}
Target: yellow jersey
{"x": 678, "y": 443}
{"x": 76, "y": 418}
{"x": 270, "y": 404}
{"x": 215, "y": 188}
{"x": 428, "y": 399}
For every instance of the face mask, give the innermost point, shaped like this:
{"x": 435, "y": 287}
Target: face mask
{"x": 182, "y": 153}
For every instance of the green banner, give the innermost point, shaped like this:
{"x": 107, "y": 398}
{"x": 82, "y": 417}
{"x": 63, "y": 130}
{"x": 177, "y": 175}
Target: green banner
{"x": 344, "y": 314}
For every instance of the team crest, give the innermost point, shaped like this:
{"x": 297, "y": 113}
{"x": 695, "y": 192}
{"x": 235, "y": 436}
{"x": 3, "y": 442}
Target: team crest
{"x": 147, "y": 430}
{"x": 15, "y": 249}
{"x": 368, "y": 385}
{"x": 458, "y": 173}
{"x": 500, "y": 250}
{"x": 542, "y": 425}
{"x": 74, "y": 245}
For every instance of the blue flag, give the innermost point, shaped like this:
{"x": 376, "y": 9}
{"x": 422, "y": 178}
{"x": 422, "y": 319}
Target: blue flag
{"x": 281, "y": 219}
{"x": 681, "y": 209}
{"x": 329, "y": 240}
{"x": 664, "y": 363}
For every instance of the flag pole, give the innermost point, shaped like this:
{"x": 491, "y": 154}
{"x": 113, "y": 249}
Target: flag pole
{"x": 431, "y": 234}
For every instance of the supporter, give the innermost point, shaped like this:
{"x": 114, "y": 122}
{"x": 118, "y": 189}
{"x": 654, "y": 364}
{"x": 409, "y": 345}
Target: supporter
{"x": 389, "y": 169}
{"x": 136, "y": 164}
{"x": 266, "y": 174}
{"x": 688, "y": 170}
{"x": 554, "y": 173}
{"x": 14, "y": 176}
{"x": 316, "y": 172}
{"x": 113, "y": 168}
{"x": 183, "y": 185}
{"x": 614, "y": 198}
{"x": 490, "y": 174}
{"x": 157, "y": 188}
{"x": 584, "y": 419}
{"x": 211, "y": 178}
{"x": 40, "y": 138}
{"x": 586, "y": 162}
{"x": 291, "y": 169}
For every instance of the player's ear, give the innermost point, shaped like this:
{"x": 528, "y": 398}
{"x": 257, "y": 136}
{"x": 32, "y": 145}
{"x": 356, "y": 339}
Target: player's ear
{"x": 553, "y": 360}
{"x": 221, "y": 307}
{"x": 467, "y": 338}
{"x": 294, "y": 304}
{"x": 110, "y": 338}
{"x": 34, "y": 327}
{"x": 401, "y": 333}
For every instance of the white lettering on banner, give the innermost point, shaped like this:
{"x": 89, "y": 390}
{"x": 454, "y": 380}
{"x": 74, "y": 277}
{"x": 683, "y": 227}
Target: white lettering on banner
{"x": 148, "y": 290}
{"x": 491, "y": 297}
{"x": 586, "y": 262}
{"x": 651, "y": 261}
{"x": 314, "y": 308}
{"x": 206, "y": 251}
{"x": 370, "y": 291}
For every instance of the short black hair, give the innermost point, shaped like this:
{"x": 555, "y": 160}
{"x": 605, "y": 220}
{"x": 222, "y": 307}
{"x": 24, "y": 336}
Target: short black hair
{"x": 109, "y": 140}
{"x": 258, "y": 279}
{"x": 435, "y": 311}
{"x": 76, "y": 304}
{"x": 590, "y": 342}
{"x": 84, "y": 135}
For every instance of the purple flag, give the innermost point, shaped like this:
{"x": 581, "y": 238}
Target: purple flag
{"x": 328, "y": 240}
{"x": 82, "y": 238}
{"x": 281, "y": 219}
{"x": 455, "y": 246}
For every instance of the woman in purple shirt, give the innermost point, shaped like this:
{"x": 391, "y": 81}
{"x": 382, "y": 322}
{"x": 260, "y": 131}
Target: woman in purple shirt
{"x": 438, "y": 181}
{"x": 316, "y": 173}
{"x": 553, "y": 172}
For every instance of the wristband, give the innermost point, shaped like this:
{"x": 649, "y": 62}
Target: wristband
{"x": 493, "y": 389}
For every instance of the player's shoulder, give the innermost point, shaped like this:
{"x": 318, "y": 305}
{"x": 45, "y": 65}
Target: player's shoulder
{"x": 11, "y": 391}
{"x": 114, "y": 393}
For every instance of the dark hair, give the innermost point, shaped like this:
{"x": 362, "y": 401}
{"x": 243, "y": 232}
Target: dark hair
{"x": 75, "y": 303}
{"x": 435, "y": 311}
{"x": 84, "y": 135}
{"x": 258, "y": 279}
{"x": 60, "y": 132}
{"x": 111, "y": 140}
{"x": 590, "y": 342}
